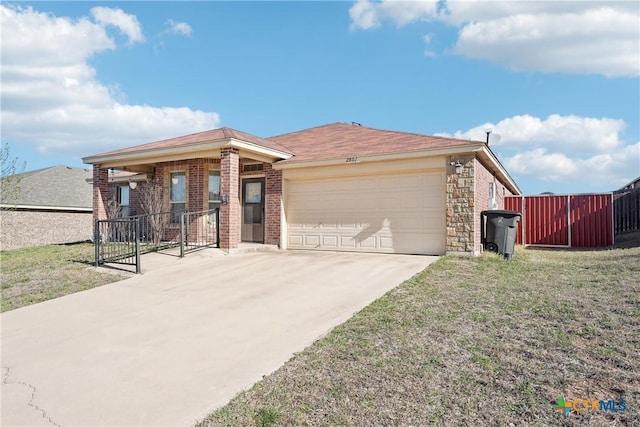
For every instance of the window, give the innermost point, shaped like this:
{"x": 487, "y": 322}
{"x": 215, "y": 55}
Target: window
{"x": 123, "y": 200}
{"x": 253, "y": 167}
{"x": 178, "y": 196}
{"x": 214, "y": 192}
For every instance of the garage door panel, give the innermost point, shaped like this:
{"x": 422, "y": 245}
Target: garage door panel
{"x": 401, "y": 213}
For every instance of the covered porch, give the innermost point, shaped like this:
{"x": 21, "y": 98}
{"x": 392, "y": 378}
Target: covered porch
{"x": 219, "y": 169}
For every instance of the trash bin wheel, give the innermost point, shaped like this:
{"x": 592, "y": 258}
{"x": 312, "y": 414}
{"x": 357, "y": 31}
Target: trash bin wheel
{"x": 491, "y": 247}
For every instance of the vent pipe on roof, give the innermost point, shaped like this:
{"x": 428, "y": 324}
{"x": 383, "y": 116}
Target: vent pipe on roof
{"x": 355, "y": 124}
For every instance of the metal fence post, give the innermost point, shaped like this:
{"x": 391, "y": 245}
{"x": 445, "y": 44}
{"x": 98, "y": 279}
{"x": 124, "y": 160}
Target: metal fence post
{"x": 137, "y": 231}
{"x": 96, "y": 241}
{"x": 182, "y": 235}
{"x": 218, "y": 227}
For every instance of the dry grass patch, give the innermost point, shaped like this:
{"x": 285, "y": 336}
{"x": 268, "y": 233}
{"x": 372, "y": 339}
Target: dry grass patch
{"x": 33, "y": 275}
{"x": 470, "y": 342}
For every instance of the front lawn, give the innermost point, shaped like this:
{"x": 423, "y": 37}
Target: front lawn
{"x": 471, "y": 342}
{"x": 33, "y": 275}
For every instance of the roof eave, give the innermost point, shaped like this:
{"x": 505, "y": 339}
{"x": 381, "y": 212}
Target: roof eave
{"x": 486, "y": 152}
{"x": 441, "y": 151}
{"x": 165, "y": 154}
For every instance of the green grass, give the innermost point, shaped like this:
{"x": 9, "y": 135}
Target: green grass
{"x": 33, "y": 275}
{"x": 471, "y": 342}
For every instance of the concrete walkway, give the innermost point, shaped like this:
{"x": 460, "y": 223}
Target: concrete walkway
{"x": 166, "y": 347}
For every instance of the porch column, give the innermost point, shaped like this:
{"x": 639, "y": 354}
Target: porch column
{"x": 230, "y": 188}
{"x": 273, "y": 205}
{"x": 100, "y": 192}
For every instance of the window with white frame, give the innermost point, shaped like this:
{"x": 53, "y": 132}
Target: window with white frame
{"x": 178, "y": 195}
{"x": 123, "y": 200}
{"x": 214, "y": 191}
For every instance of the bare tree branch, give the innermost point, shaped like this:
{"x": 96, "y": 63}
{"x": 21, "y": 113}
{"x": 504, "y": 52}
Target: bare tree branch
{"x": 9, "y": 176}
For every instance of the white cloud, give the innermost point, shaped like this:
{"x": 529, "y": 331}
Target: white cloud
{"x": 572, "y": 133}
{"x": 563, "y": 149}
{"x": 366, "y": 14}
{"x": 127, "y": 24}
{"x": 581, "y": 37}
{"x": 179, "y": 28}
{"x": 52, "y": 99}
{"x": 428, "y": 52}
{"x": 596, "y": 41}
{"x": 608, "y": 170}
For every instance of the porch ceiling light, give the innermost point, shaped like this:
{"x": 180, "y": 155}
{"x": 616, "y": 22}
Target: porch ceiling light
{"x": 133, "y": 185}
{"x": 174, "y": 181}
{"x": 458, "y": 166}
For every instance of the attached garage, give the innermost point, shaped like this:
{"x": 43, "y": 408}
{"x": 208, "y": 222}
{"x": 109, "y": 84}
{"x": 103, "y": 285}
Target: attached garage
{"x": 394, "y": 212}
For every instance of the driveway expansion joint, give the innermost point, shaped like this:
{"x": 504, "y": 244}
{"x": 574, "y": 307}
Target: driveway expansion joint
{"x": 34, "y": 390}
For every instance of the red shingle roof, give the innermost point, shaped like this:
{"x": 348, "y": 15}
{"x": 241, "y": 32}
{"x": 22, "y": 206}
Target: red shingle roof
{"x": 213, "y": 135}
{"x": 338, "y": 140}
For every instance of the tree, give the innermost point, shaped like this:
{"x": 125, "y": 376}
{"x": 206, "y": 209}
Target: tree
{"x": 9, "y": 176}
{"x": 152, "y": 204}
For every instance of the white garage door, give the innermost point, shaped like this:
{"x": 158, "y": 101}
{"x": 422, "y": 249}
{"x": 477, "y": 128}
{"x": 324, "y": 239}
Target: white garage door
{"x": 394, "y": 213}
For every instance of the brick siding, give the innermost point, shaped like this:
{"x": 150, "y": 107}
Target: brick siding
{"x": 25, "y": 228}
{"x": 230, "y": 186}
{"x": 100, "y": 192}
{"x": 483, "y": 180}
{"x": 273, "y": 205}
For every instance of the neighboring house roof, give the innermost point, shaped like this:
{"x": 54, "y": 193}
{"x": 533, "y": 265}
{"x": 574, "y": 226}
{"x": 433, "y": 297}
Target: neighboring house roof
{"x": 631, "y": 185}
{"x": 55, "y": 188}
{"x": 339, "y": 140}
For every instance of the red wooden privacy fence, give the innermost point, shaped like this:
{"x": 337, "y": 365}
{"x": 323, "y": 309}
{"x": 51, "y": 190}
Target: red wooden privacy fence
{"x": 574, "y": 220}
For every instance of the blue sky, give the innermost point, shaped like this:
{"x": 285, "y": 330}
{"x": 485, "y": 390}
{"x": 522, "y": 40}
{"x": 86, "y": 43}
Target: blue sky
{"x": 558, "y": 81}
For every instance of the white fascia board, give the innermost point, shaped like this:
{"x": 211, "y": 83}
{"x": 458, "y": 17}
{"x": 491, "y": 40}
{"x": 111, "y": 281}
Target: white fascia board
{"x": 124, "y": 179}
{"x": 447, "y": 151}
{"x": 494, "y": 160}
{"x": 154, "y": 152}
{"x": 258, "y": 149}
{"x": 151, "y": 155}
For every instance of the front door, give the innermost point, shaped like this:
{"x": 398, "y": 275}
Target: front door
{"x": 252, "y": 210}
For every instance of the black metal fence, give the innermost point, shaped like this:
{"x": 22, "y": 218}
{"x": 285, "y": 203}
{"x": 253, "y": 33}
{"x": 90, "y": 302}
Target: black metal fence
{"x": 123, "y": 240}
{"x": 626, "y": 211}
{"x": 117, "y": 241}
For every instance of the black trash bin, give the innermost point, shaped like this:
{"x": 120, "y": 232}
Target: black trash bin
{"x": 498, "y": 231}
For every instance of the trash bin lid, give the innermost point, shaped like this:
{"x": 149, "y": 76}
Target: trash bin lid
{"x": 497, "y": 212}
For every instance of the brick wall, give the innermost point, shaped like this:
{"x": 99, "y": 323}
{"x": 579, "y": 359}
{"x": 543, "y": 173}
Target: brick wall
{"x": 23, "y": 228}
{"x": 273, "y": 205}
{"x": 467, "y": 196}
{"x": 230, "y": 186}
{"x": 100, "y": 192}
{"x": 483, "y": 179}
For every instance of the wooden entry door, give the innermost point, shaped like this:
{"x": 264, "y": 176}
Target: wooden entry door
{"x": 252, "y": 210}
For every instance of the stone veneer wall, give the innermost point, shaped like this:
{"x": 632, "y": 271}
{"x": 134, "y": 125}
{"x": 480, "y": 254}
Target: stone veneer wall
{"x": 25, "y": 228}
{"x": 460, "y": 206}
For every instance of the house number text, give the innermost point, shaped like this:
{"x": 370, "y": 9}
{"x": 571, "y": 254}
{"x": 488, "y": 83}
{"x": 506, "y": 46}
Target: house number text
{"x": 352, "y": 159}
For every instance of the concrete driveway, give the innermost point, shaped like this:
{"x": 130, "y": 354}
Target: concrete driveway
{"x": 166, "y": 347}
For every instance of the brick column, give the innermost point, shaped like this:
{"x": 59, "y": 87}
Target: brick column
{"x": 460, "y": 204}
{"x": 100, "y": 192}
{"x": 230, "y": 186}
{"x": 273, "y": 205}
